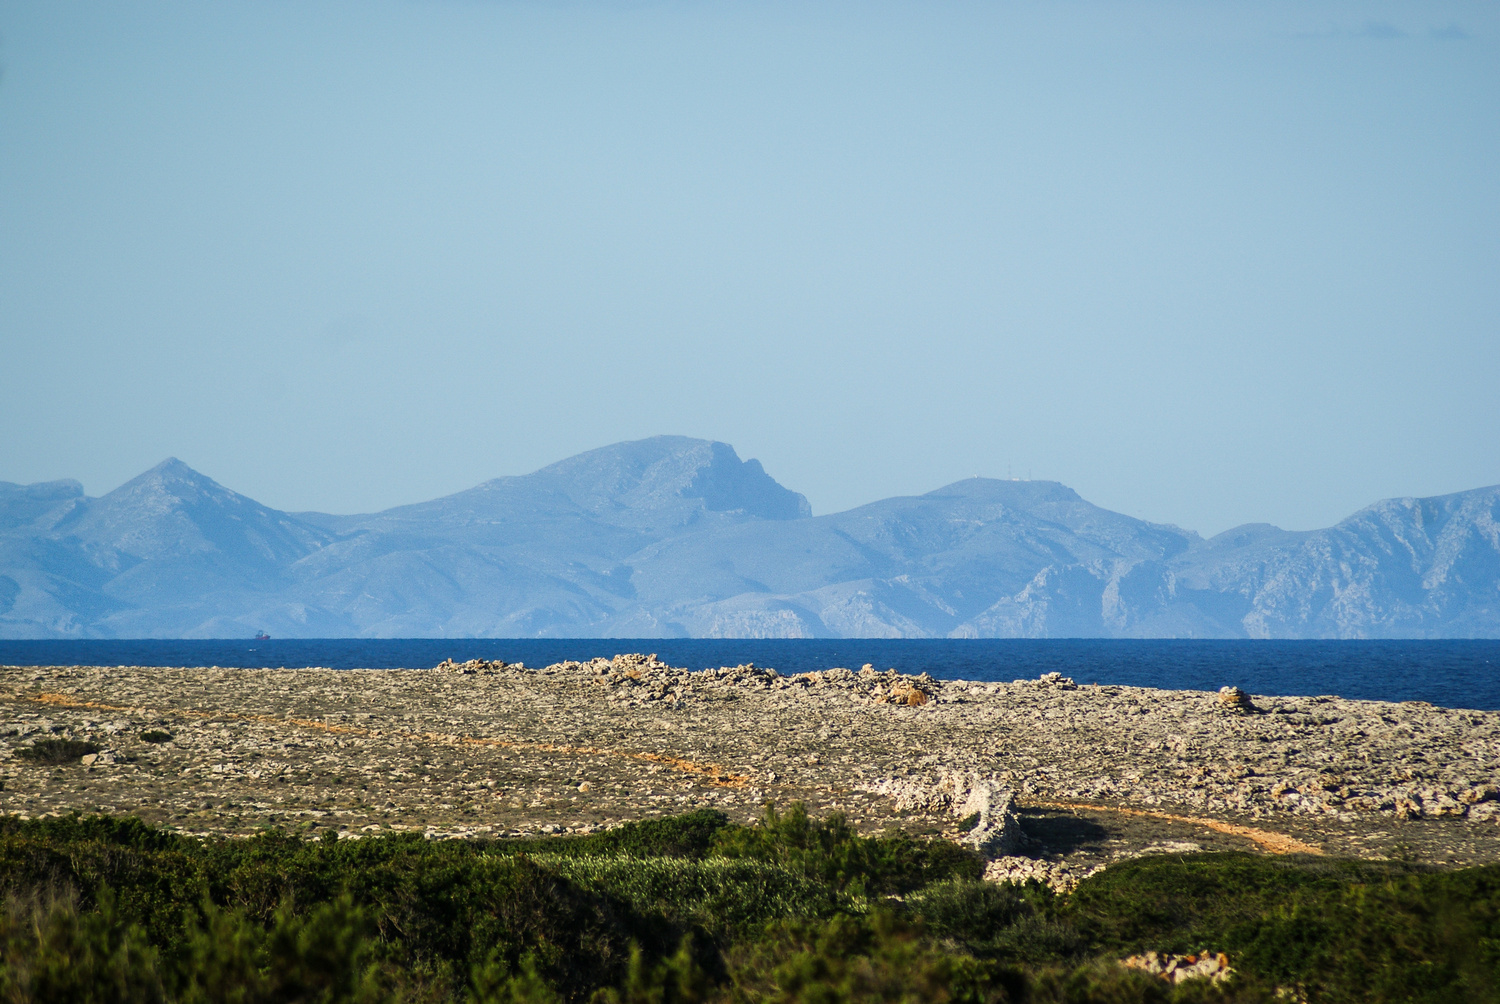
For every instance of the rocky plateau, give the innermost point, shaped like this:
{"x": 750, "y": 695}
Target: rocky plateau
{"x": 1050, "y": 779}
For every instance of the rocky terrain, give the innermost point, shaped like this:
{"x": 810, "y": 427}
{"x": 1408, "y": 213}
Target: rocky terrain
{"x": 1050, "y": 778}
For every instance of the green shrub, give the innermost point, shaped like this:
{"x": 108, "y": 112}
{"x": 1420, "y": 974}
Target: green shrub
{"x": 51, "y": 950}
{"x": 998, "y": 921}
{"x": 56, "y": 751}
{"x": 690, "y": 835}
{"x": 1340, "y": 930}
{"x": 326, "y": 955}
{"x": 1167, "y": 902}
{"x": 442, "y": 907}
{"x": 156, "y": 878}
{"x": 695, "y": 909}
{"x": 1104, "y": 982}
{"x": 880, "y": 957}
{"x": 721, "y": 896}
{"x": 494, "y": 982}
{"x": 680, "y": 979}
{"x": 831, "y": 851}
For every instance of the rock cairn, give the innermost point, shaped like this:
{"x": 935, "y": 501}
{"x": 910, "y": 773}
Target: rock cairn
{"x": 1235, "y": 699}
{"x": 646, "y": 679}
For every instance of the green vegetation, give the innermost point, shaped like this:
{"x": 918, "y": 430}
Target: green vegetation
{"x": 694, "y": 909}
{"x": 56, "y": 751}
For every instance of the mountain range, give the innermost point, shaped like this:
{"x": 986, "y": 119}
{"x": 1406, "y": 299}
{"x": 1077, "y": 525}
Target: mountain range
{"x": 674, "y": 537}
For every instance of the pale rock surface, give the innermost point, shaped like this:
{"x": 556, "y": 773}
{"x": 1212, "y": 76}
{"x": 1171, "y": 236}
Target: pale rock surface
{"x": 1086, "y": 773}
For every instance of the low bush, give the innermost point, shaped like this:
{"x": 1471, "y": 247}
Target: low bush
{"x": 1334, "y": 930}
{"x": 879, "y": 957}
{"x": 690, "y": 835}
{"x": 696, "y": 909}
{"x": 56, "y": 751}
{"x": 832, "y": 852}
{"x": 994, "y": 921}
{"x": 724, "y": 897}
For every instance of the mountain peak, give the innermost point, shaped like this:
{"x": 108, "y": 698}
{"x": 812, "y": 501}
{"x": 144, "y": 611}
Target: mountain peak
{"x": 728, "y": 484}
{"x": 663, "y": 471}
{"x": 174, "y": 469}
{"x": 172, "y": 510}
{"x": 1014, "y": 491}
{"x": 170, "y": 483}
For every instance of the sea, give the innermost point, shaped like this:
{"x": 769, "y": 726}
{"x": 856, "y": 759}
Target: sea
{"x": 1455, "y": 674}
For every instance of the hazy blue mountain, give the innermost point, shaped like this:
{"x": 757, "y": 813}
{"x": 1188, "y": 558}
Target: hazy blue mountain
{"x": 1399, "y": 568}
{"x": 924, "y": 565}
{"x": 543, "y": 553}
{"x": 27, "y": 505}
{"x": 170, "y": 552}
{"x": 678, "y": 536}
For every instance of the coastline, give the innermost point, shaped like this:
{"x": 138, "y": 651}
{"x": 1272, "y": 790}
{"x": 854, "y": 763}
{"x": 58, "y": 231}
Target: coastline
{"x": 489, "y": 750}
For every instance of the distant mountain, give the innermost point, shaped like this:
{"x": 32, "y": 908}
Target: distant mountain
{"x": 545, "y": 553}
{"x": 673, "y": 536}
{"x": 168, "y": 552}
{"x": 923, "y": 566}
{"x": 1401, "y": 568}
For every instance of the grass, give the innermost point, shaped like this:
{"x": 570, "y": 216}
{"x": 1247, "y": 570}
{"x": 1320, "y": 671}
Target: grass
{"x": 696, "y": 909}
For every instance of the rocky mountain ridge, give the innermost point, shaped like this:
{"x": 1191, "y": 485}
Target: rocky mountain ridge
{"x": 673, "y": 536}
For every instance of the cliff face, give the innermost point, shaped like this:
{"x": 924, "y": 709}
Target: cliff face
{"x": 676, "y": 536}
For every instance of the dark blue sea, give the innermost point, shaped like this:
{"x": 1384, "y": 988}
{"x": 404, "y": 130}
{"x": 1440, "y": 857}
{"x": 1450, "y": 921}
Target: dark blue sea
{"x": 1461, "y": 674}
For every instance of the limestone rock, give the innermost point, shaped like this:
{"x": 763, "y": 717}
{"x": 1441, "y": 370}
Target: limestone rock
{"x": 1235, "y": 699}
{"x": 966, "y": 795}
{"x": 496, "y": 748}
{"x": 1213, "y": 966}
{"x": 997, "y": 830}
{"x": 1059, "y": 876}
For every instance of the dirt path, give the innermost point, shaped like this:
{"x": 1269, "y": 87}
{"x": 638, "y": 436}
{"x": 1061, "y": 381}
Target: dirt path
{"x": 1274, "y": 843}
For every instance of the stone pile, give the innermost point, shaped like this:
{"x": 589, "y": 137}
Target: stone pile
{"x": 1235, "y": 699}
{"x": 473, "y": 666}
{"x": 645, "y": 679}
{"x": 1212, "y": 966}
{"x": 1060, "y": 876}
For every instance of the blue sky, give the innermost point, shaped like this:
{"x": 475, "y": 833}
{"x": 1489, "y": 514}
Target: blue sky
{"x": 1207, "y": 263}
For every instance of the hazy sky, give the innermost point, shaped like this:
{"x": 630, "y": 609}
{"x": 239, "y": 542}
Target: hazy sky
{"x": 1207, "y": 263}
